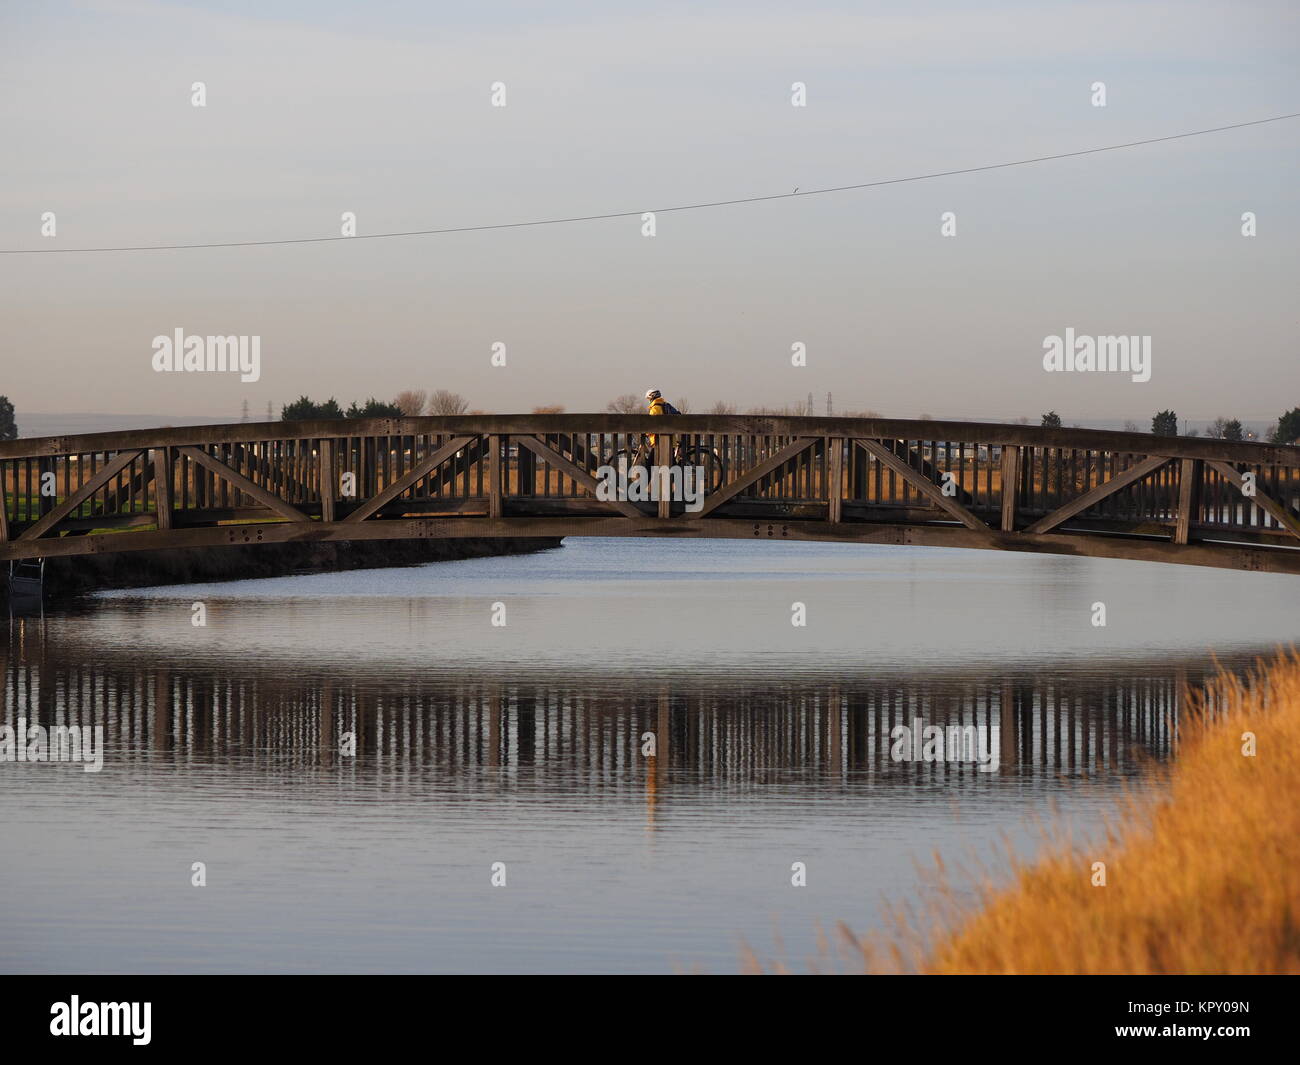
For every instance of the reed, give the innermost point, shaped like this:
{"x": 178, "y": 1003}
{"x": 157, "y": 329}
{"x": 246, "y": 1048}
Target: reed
{"x": 1202, "y": 878}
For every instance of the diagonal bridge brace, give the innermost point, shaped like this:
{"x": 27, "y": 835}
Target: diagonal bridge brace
{"x": 407, "y": 480}
{"x": 757, "y": 473}
{"x": 891, "y": 460}
{"x": 926, "y": 468}
{"x": 1099, "y": 492}
{"x": 547, "y": 453}
{"x": 88, "y": 488}
{"x": 1275, "y": 510}
{"x": 267, "y": 499}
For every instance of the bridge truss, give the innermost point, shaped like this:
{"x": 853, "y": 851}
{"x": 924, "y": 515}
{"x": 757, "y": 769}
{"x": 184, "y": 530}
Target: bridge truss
{"x": 1194, "y": 501}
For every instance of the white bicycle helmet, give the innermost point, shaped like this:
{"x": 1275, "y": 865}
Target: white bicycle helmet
{"x": 652, "y": 394}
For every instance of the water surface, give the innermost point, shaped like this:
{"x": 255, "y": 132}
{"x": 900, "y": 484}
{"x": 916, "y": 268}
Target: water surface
{"x": 479, "y": 743}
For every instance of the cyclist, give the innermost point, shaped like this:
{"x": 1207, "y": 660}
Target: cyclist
{"x": 658, "y": 405}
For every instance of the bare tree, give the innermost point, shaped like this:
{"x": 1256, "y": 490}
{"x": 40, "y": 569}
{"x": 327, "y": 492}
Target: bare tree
{"x": 628, "y": 403}
{"x": 412, "y": 402}
{"x": 444, "y": 402}
{"x": 723, "y": 407}
{"x": 683, "y": 404}
{"x": 1131, "y": 427}
{"x": 1226, "y": 429}
{"x": 556, "y": 409}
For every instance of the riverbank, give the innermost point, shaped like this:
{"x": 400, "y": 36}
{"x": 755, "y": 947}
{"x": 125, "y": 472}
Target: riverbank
{"x": 67, "y": 577}
{"x": 1204, "y": 879}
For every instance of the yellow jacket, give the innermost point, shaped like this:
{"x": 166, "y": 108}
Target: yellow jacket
{"x": 658, "y": 405}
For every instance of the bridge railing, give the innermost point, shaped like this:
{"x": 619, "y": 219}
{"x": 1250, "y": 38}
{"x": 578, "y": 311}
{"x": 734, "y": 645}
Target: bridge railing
{"x": 1014, "y": 481}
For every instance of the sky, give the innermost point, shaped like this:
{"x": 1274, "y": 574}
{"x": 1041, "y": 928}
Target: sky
{"x": 385, "y": 110}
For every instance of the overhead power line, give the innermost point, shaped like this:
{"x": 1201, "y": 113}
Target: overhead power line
{"x": 659, "y": 210}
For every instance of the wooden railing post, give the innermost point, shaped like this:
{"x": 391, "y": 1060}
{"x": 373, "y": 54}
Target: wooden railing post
{"x": 1010, "y": 485}
{"x": 329, "y": 481}
{"x": 663, "y": 460}
{"x": 1189, "y": 476}
{"x": 162, "y": 484}
{"x": 834, "y": 478}
{"x": 495, "y": 509}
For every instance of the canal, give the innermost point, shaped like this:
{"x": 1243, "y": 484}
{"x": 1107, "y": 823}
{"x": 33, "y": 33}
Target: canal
{"x": 641, "y": 742}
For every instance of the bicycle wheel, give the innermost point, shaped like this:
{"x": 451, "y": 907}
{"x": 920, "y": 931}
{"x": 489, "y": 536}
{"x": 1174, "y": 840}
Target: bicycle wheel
{"x": 710, "y": 460}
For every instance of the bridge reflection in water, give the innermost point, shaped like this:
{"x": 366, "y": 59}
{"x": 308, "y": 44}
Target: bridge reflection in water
{"x": 482, "y": 735}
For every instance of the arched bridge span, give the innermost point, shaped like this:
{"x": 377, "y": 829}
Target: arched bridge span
{"x": 949, "y": 484}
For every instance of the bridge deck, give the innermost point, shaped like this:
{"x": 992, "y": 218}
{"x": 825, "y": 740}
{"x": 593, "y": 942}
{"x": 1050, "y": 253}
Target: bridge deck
{"x": 955, "y": 484}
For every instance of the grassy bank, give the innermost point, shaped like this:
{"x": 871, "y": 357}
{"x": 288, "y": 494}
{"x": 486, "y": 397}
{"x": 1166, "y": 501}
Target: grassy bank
{"x": 1203, "y": 879}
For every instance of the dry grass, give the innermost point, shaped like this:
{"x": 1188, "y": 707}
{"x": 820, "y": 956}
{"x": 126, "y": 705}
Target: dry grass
{"x": 1203, "y": 876}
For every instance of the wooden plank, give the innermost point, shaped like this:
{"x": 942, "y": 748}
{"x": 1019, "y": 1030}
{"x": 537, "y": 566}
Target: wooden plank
{"x": 663, "y": 461}
{"x": 987, "y": 433}
{"x": 931, "y": 491}
{"x": 753, "y": 475}
{"x": 329, "y": 481}
{"x": 494, "y": 442}
{"x": 162, "y": 479}
{"x": 1081, "y": 503}
{"x": 1010, "y": 486}
{"x": 416, "y": 473}
{"x": 834, "y": 478}
{"x": 1267, "y": 503}
{"x": 548, "y": 454}
{"x": 89, "y": 488}
{"x": 1189, "y": 476}
{"x": 220, "y": 469}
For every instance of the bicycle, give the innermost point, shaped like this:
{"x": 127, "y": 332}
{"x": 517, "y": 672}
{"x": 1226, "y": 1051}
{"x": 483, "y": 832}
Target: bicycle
{"x": 688, "y": 457}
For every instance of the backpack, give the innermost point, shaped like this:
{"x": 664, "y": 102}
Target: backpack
{"x": 670, "y": 409}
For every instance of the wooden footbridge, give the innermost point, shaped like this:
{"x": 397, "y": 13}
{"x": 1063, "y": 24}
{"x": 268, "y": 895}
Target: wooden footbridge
{"x": 945, "y": 484}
